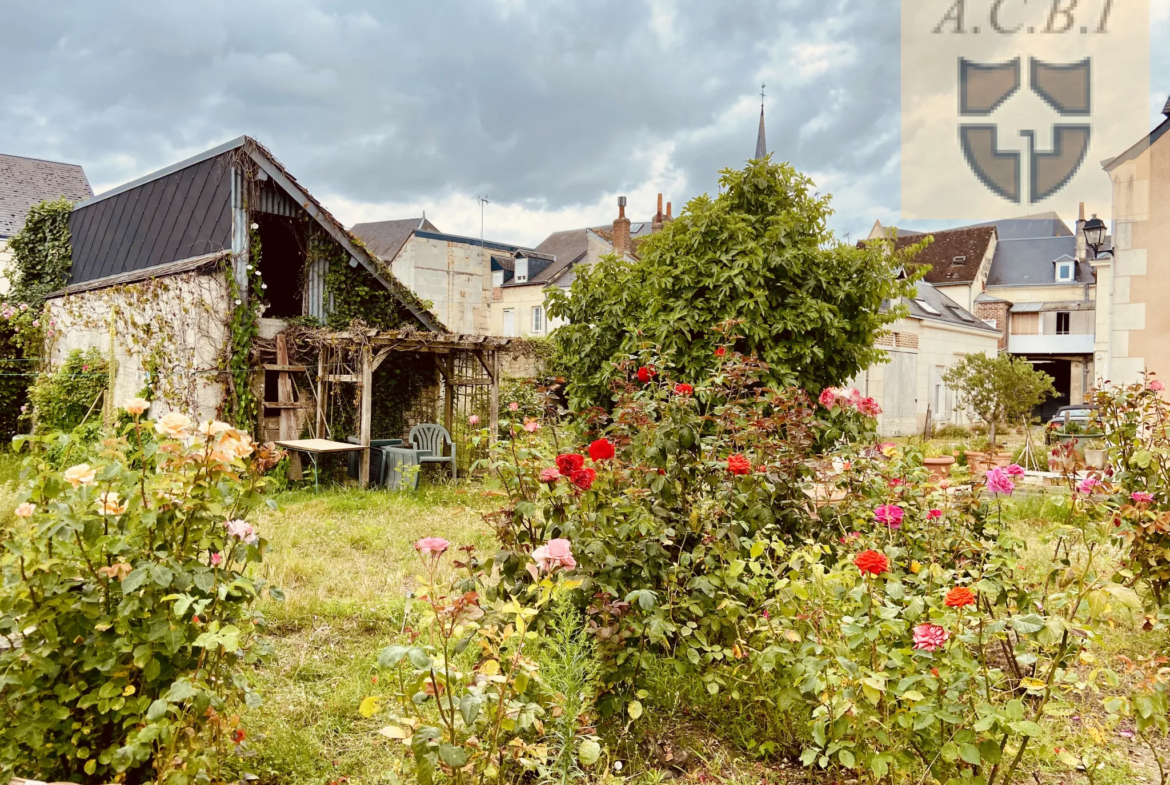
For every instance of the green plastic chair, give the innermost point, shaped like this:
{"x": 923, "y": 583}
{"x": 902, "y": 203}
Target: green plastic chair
{"x": 429, "y": 439}
{"x": 377, "y": 464}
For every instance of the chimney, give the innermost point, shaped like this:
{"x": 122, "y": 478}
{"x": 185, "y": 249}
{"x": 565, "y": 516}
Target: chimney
{"x": 669, "y": 217}
{"x": 621, "y": 229}
{"x": 656, "y": 223}
{"x": 1082, "y": 252}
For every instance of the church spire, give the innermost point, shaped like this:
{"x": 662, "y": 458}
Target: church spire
{"x": 761, "y": 144}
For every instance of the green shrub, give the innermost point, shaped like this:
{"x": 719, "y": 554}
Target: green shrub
{"x": 951, "y": 431}
{"x": 126, "y": 603}
{"x": 62, "y": 399}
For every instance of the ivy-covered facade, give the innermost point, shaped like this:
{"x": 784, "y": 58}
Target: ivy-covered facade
{"x": 187, "y": 277}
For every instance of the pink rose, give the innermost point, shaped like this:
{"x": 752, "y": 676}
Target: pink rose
{"x": 1087, "y": 485}
{"x": 555, "y": 553}
{"x": 473, "y": 419}
{"x": 241, "y": 530}
{"x": 889, "y": 514}
{"x": 513, "y": 407}
{"x": 1141, "y": 497}
{"x": 532, "y": 426}
{"x": 431, "y": 546}
{"x": 549, "y": 475}
{"x": 1015, "y": 470}
{"x": 216, "y": 559}
{"x": 869, "y": 407}
{"x": 828, "y": 396}
{"x": 1157, "y": 386}
{"x": 930, "y": 516}
{"x": 930, "y": 637}
{"x": 998, "y": 482}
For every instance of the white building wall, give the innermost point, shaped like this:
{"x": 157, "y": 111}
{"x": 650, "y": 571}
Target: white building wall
{"x": 179, "y": 320}
{"x": 455, "y": 277}
{"x": 5, "y": 267}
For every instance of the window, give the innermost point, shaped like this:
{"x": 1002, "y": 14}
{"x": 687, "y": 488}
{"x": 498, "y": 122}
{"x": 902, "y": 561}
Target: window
{"x": 521, "y": 269}
{"x": 958, "y": 261}
{"x": 992, "y": 323}
{"x": 538, "y": 319}
{"x": 1062, "y": 320}
{"x": 497, "y": 278}
{"x": 509, "y": 322}
{"x": 1064, "y": 272}
{"x": 930, "y": 309}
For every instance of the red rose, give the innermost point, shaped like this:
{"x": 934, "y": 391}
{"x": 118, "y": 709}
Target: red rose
{"x": 567, "y": 464}
{"x": 959, "y": 597}
{"x": 738, "y": 464}
{"x": 683, "y": 389}
{"x": 583, "y": 478}
{"x": 601, "y": 450}
{"x": 720, "y": 352}
{"x": 238, "y": 735}
{"x": 645, "y": 374}
{"x": 872, "y": 562}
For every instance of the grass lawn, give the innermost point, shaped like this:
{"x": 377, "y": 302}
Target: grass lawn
{"x": 344, "y": 560}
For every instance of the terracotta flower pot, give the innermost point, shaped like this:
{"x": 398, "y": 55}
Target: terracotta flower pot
{"x": 1000, "y": 459}
{"x": 977, "y": 462}
{"x": 940, "y": 467}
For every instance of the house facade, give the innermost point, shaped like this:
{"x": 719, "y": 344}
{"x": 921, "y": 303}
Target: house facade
{"x": 26, "y": 182}
{"x": 160, "y": 264}
{"x": 1133, "y": 274}
{"x": 935, "y": 334}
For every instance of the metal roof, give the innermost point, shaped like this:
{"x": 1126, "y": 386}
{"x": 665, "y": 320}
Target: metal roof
{"x": 932, "y": 305}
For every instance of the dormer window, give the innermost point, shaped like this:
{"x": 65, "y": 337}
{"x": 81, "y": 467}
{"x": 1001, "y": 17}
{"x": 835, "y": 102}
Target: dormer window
{"x": 959, "y": 261}
{"x": 1065, "y": 270}
{"x": 497, "y": 278}
{"x": 521, "y": 269}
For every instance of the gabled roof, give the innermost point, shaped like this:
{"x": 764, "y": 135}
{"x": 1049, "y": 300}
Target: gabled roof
{"x": 1140, "y": 146}
{"x": 184, "y": 210}
{"x": 934, "y": 306}
{"x": 955, "y": 254}
{"x": 1031, "y": 262}
{"x": 1047, "y": 224}
{"x": 26, "y": 182}
{"x": 386, "y": 238}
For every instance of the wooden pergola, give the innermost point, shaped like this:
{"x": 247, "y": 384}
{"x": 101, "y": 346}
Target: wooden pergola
{"x": 352, "y": 357}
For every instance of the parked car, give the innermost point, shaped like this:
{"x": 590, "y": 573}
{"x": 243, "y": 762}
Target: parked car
{"x": 1071, "y": 419}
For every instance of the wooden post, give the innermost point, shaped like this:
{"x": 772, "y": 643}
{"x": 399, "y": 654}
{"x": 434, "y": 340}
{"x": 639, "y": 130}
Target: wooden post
{"x": 321, "y": 390}
{"x": 449, "y": 393}
{"x": 495, "y": 413}
{"x": 288, "y": 415}
{"x": 367, "y": 409}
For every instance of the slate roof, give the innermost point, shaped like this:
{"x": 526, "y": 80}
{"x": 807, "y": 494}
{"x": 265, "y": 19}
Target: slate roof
{"x": 1047, "y": 224}
{"x": 26, "y": 182}
{"x": 183, "y": 211}
{"x": 386, "y": 238}
{"x": 940, "y": 308}
{"x": 1029, "y": 262}
{"x": 955, "y": 254}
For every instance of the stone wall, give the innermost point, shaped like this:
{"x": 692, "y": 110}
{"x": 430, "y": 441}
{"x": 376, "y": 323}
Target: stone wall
{"x": 454, "y": 276}
{"x": 177, "y": 323}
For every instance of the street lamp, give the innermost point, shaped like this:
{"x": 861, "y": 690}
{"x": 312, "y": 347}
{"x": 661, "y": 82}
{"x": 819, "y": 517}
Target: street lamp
{"x": 1094, "y": 230}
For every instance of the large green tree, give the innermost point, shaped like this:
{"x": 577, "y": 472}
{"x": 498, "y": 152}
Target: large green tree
{"x": 758, "y": 253}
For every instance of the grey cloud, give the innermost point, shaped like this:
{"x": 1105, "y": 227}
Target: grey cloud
{"x": 540, "y": 103}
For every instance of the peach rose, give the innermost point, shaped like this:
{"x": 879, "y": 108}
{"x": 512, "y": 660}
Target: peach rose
{"x": 109, "y": 504}
{"x": 26, "y": 510}
{"x": 174, "y": 425}
{"x": 81, "y": 474}
{"x": 211, "y": 428}
{"x": 136, "y": 406}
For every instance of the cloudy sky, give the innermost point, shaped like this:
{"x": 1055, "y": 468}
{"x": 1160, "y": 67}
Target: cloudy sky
{"x": 551, "y": 108}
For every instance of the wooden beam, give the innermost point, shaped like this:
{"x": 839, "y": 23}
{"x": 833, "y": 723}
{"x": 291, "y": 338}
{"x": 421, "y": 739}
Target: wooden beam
{"x": 292, "y": 406}
{"x": 380, "y": 356}
{"x": 287, "y": 406}
{"x": 482, "y": 361}
{"x": 285, "y": 368}
{"x": 321, "y": 426}
{"x": 343, "y": 377}
{"x": 495, "y": 414}
{"x": 449, "y": 393}
{"x": 367, "y": 412}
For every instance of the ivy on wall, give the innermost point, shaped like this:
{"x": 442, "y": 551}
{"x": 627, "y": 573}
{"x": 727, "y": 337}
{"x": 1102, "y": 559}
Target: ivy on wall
{"x": 239, "y": 405}
{"x": 63, "y": 398}
{"x": 41, "y": 254}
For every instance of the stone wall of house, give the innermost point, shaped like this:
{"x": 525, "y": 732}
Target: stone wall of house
{"x": 177, "y": 323}
{"x": 454, "y": 276}
{"x": 5, "y": 266}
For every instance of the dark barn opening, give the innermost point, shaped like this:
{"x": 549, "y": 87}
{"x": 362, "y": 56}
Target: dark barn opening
{"x": 282, "y": 266}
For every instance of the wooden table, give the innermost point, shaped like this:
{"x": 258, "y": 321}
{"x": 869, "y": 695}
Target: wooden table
{"x": 315, "y": 447}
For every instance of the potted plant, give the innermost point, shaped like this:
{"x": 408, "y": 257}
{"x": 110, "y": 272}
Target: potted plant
{"x": 938, "y": 462}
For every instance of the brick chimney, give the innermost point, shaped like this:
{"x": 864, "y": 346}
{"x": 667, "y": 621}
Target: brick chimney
{"x": 621, "y": 229}
{"x": 669, "y": 217}
{"x": 659, "y": 218}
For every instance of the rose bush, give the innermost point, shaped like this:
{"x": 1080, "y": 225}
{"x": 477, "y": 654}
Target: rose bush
{"x": 126, "y": 605}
